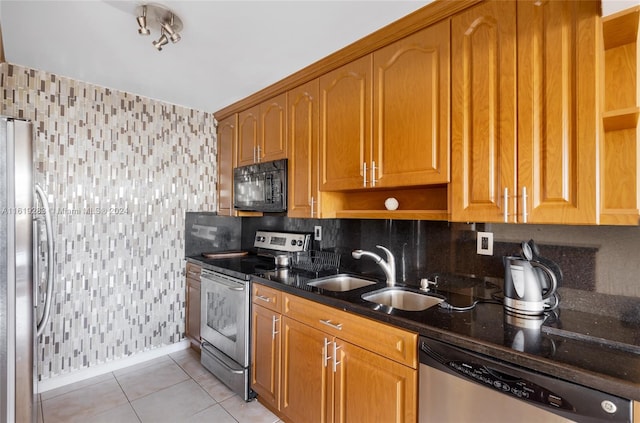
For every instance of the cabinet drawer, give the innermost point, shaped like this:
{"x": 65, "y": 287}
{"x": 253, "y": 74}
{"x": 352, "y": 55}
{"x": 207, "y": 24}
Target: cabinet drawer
{"x": 266, "y": 297}
{"x": 193, "y": 271}
{"x": 388, "y": 341}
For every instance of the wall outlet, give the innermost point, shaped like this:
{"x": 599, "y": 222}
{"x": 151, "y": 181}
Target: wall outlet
{"x": 317, "y": 233}
{"x": 485, "y": 243}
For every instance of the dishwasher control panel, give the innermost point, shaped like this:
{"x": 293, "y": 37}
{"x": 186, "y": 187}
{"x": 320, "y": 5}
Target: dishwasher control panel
{"x": 507, "y": 384}
{"x": 551, "y": 394}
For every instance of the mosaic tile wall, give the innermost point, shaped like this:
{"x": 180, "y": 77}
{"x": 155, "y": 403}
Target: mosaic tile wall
{"x": 121, "y": 171}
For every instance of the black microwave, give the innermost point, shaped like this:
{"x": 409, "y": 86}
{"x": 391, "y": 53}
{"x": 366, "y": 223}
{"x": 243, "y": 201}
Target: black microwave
{"x": 261, "y": 187}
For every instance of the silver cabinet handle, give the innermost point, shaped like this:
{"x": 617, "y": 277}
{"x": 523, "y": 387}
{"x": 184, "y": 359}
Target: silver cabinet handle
{"x": 506, "y": 205}
{"x": 335, "y": 356}
{"x": 524, "y": 205}
{"x": 325, "y": 352}
{"x": 364, "y": 174}
{"x": 373, "y": 173}
{"x": 50, "y": 251}
{"x": 333, "y": 325}
{"x": 194, "y": 274}
{"x": 259, "y": 158}
{"x": 274, "y": 332}
{"x": 312, "y": 204}
{"x": 263, "y": 298}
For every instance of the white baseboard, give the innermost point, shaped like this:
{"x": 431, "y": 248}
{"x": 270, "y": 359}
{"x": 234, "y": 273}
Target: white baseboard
{"x": 100, "y": 369}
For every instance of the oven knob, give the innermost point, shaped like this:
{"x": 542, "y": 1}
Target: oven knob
{"x": 293, "y": 242}
{"x": 299, "y": 243}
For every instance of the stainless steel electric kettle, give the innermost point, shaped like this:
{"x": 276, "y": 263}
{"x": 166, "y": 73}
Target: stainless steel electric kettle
{"x": 530, "y": 282}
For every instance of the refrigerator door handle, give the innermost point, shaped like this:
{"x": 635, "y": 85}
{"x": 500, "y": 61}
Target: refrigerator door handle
{"x": 49, "y": 228}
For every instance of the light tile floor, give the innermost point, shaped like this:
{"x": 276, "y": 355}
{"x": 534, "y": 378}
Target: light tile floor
{"x": 173, "y": 389}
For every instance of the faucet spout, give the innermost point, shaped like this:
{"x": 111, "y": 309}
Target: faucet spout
{"x": 388, "y": 267}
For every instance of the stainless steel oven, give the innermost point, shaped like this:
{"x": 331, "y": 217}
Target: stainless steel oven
{"x": 225, "y": 306}
{"x": 224, "y": 328}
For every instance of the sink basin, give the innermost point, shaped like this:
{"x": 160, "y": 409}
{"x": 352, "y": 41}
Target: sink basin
{"x": 341, "y": 283}
{"x": 402, "y": 299}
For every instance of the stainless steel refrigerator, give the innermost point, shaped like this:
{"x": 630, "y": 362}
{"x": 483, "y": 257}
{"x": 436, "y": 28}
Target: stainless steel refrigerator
{"x": 23, "y": 209}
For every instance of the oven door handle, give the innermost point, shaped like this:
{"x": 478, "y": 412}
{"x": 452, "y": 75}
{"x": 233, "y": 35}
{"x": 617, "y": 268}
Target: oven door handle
{"x": 208, "y": 346}
{"x": 231, "y": 286}
{"x": 236, "y": 288}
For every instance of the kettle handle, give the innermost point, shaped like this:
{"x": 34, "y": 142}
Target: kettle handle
{"x": 552, "y": 276}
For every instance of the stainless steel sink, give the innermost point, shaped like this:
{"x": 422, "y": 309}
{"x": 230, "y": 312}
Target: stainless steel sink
{"x": 341, "y": 283}
{"x": 402, "y": 299}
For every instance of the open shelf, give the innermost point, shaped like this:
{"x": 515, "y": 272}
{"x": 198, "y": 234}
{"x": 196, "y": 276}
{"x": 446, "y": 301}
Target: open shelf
{"x": 620, "y": 145}
{"x": 621, "y": 28}
{"x": 615, "y": 120}
{"x": 415, "y": 203}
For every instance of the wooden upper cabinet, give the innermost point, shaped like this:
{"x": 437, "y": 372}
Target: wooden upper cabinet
{"x": 345, "y": 125}
{"x": 411, "y": 109}
{"x": 262, "y": 132}
{"x": 227, "y": 136}
{"x": 483, "y": 160}
{"x": 523, "y": 144}
{"x": 272, "y": 142}
{"x": 248, "y": 136}
{"x": 303, "y": 104}
{"x": 557, "y": 111}
{"x": 384, "y": 118}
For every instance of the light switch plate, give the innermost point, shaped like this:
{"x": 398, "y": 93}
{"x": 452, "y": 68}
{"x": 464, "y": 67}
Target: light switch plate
{"x": 485, "y": 243}
{"x": 317, "y": 233}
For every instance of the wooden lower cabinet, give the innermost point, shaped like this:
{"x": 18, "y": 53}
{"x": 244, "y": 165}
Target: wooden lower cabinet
{"x": 265, "y": 368}
{"x": 371, "y": 388}
{"x": 324, "y": 376}
{"x": 306, "y": 383}
{"x": 192, "y": 324}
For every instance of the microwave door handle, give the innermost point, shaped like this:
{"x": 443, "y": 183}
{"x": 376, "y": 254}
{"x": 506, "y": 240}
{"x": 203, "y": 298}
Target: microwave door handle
{"x": 268, "y": 189}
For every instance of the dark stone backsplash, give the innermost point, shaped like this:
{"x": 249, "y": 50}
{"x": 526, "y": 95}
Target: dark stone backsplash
{"x": 425, "y": 248}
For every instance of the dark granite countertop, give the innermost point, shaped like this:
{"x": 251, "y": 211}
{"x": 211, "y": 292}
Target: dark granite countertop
{"x": 601, "y": 353}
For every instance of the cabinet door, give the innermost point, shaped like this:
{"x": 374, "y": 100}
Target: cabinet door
{"x": 483, "y": 71}
{"x": 411, "y": 109}
{"x": 303, "y": 150}
{"x": 227, "y": 130}
{"x": 557, "y": 111}
{"x": 193, "y": 311}
{"x": 248, "y": 122}
{"x": 265, "y": 355}
{"x": 345, "y": 119}
{"x": 362, "y": 376}
{"x": 306, "y": 383}
{"x": 272, "y": 139}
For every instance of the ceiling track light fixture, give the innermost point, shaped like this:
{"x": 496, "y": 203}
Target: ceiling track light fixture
{"x": 153, "y": 16}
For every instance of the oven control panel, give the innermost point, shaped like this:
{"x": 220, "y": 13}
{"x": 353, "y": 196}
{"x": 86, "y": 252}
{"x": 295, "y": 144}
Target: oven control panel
{"x": 282, "y": 241}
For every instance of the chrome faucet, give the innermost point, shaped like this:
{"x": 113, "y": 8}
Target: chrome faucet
{"x": 389, "y": 266}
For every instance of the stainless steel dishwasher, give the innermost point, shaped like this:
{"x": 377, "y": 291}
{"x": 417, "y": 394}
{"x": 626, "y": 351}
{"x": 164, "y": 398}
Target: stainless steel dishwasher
{"x": 458, "y": 385}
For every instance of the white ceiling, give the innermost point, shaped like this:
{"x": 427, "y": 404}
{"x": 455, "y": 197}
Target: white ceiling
{"x": 229, "y": 49}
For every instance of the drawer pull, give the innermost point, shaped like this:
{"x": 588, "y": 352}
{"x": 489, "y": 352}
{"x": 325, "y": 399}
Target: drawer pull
{"x": 333, "y": 325}
{"x": 194, "y": 274}
{"x": 263, "y": 298}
